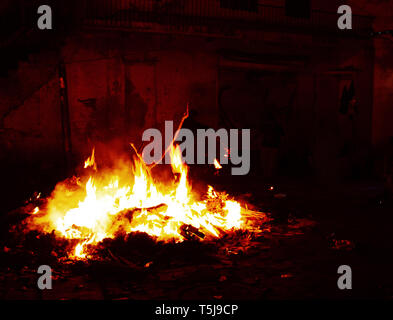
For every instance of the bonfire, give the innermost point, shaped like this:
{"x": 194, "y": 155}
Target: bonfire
{"x": 104, "y": 203}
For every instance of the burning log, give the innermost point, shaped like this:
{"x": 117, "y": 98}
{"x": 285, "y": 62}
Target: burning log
{"x": 157, "y": 210}
{"x": 100, "y": 207}
{"x": 190, "y": 232}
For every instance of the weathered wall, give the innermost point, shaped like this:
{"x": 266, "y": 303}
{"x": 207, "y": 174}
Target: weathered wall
{"x": 120, "y": 83}
{"x": 31, "y": 152}
{"x": 383, "y": 94}
{"x": 383, "y": 80}
{"x": 118, "y": 91}
{"x": 30, "y": 123}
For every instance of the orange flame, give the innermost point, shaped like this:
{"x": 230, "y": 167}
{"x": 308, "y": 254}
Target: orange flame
{"x": 90, "y": 161}
{"x": 130, "y": 199}
{"x": 217, "y": 165}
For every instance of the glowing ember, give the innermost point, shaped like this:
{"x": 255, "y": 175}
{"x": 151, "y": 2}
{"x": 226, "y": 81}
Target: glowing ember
{"x": 128, "y": 199}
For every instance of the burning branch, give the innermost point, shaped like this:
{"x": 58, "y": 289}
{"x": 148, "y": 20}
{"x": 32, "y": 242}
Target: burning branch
{"x": 170, "y": 147}
{"x": 189, "y": 232}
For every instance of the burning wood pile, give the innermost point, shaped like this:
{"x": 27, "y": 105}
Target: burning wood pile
{"x": 105, "y": 203}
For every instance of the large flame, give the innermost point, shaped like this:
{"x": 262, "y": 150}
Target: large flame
{"x": 107, "y": 203}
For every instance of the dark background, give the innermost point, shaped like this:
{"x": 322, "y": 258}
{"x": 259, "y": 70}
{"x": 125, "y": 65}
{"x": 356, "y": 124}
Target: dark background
{"x": 130, "y": 65}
